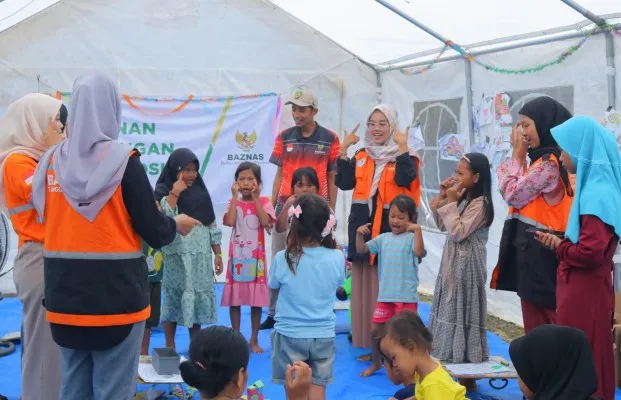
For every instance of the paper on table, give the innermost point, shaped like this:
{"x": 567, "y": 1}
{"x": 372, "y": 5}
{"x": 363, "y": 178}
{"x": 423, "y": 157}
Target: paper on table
{"x": 147, "y": 373}
{"x": 484, "y": 368}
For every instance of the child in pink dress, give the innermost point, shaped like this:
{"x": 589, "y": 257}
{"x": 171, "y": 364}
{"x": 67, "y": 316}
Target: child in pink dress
{"x": 246, "y": 276}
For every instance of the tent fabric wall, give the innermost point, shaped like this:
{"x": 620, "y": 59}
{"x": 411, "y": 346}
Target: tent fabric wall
{"x": 165, "y": 53}
{"x": 584, "y": 71}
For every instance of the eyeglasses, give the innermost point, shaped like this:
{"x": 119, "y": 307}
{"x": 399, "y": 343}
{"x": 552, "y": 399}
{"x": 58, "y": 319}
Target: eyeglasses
{"x": 381, "y": 125}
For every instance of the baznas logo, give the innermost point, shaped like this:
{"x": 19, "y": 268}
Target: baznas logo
{"x": 245, "y": 141}
{"x": 297, "y": 94}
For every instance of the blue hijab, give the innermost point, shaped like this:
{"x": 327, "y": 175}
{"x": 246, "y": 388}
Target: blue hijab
{"x": 594, "y": 152}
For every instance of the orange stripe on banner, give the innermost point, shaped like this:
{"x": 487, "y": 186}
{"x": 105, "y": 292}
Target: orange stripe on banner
{"x": 183, "y": 105}
{"x": 129, "y": 101}
{"x": 176, "y": 109}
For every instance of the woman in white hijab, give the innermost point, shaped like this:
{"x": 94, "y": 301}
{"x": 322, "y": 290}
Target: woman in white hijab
{"x": 30, "y": 126}
{"x": 383, "y": 169}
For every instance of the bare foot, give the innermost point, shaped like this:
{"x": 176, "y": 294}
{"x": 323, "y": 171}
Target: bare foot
{"x": 371, "y": 370}
{"x": 254, "y": 346}
{"x": 365, "y": 357}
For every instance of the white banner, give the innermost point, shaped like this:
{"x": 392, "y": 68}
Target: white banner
{"x": 222, "y": 132}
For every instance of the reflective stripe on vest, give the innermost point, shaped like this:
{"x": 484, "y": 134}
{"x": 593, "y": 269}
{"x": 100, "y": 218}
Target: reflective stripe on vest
{"x": 92, "y": 255}
{"x": 97, "y": 320}
{"x": 18, "y": 209}
{"x": 540, "y": 214}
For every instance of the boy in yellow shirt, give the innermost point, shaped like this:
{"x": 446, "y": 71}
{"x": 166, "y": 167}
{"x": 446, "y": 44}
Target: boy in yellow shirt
{"x": 407, "y": 346}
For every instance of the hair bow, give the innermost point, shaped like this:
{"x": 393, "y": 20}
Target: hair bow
{"x": 294, "y": 211}
{"x": 329, "y": 226}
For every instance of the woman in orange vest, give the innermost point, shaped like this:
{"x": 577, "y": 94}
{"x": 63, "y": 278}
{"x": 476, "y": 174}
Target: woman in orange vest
{"x": 97, "y": 203}
{"x": 585, "y": 293}
{"x": 539, "y": 196}
{"x": 384, "y": 168}
{"x": 31, "y": 125}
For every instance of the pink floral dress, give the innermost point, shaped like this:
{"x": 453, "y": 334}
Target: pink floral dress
{"x": 246, "y": 275}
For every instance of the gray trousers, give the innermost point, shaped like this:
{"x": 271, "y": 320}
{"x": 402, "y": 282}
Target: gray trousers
{"x": 278, "y": 244}
{"x": 103, "y": 375}
{"x": 40, "y": 354}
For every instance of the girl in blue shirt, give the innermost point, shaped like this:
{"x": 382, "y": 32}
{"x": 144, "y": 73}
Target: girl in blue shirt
{"x": 307, "y": 273}
{"x": 398, "y": 252}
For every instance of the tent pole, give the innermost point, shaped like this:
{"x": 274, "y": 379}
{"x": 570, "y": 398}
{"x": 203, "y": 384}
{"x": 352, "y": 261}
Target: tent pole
{"x": 422, "y": 26}
{"x": 610, "y": 49}
{"x": 498, "y": 49}
{"x": 587, "y": 14}
{"x": 500, "y": 41}
{"x": 468, "y": 73}
{"x": 378, "y": 82}
{"x": 610, "y": 70}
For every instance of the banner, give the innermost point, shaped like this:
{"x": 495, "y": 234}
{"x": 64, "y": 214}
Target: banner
{"x": 222, "y": 132}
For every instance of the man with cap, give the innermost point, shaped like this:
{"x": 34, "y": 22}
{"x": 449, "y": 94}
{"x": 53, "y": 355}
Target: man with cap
{"x": 307, "y": 144}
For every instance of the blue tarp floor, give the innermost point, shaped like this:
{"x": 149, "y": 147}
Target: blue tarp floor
{"x": 348, "y": 384}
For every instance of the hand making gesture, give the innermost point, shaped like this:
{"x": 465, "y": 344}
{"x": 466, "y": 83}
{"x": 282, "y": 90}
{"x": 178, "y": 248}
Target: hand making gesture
{"x": 400, "y": 138}
{"x": 445, "y": 185}
{"x": 520, "y": 147}
{"x": 235, "y": 190}
{"x": 298, "y": 380}
{"x": 455, "y": 192}
{"x": 256, "y": 192}
{"x": 179, "y": 186}
{"x": 364, "y": 230}
{"x": 350, "y": 139}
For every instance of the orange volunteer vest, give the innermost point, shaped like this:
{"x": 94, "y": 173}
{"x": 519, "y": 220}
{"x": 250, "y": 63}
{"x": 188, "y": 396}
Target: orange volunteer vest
{"x": 524, "y": 265}
{"x": 95, "y": 273}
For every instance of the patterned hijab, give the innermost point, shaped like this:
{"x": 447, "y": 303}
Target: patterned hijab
{"x": 384, "y": 153}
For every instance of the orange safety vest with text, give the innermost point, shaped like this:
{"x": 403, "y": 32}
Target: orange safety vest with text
{"x": 18, "y": 174}
{"x": 95, "y": 273}
{"x": 524, "y": 265}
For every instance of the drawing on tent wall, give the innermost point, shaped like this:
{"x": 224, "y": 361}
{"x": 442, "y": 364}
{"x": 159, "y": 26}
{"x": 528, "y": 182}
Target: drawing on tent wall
{"x": 438, "y": 122}
{"x": 451, "y": 147}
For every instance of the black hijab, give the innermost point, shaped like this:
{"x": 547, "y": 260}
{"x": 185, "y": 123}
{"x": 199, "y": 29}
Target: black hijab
{"x": 547, "y": 113}
{"x": 195, "y": 201}
{"x": 555, "y": 362}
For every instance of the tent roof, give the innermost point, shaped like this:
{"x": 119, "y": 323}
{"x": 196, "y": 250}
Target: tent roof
{"x": 377, "y": 35}
{"x": 380, "y": 37}
{"x": 12, "y": 12}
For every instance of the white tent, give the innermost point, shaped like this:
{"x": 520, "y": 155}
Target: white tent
{"x": 348, "y": 51}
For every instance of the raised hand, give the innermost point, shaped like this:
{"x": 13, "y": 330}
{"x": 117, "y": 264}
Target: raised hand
{"x": 447, "y": 183}
{"x": 364, "y": 230}
{"x": 256, "y": 193}
{"x": 179, "y": 185}
{"x": 455, "y": 193}
{"x": 400, "y": 138}
{"x": 520, "y": 147}
{"x": 350, "y": 137}
{"x": 235, "y": 189}
{"x": 298, "y": 379}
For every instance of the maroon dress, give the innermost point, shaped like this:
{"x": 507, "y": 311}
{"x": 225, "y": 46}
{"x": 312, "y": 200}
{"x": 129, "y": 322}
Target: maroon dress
{"x": 585, "y": 294}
